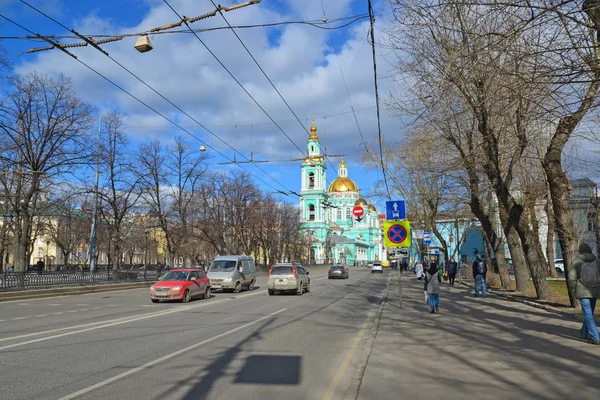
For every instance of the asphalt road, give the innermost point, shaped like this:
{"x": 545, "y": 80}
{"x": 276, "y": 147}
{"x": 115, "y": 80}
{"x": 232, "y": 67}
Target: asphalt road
{"x": 249, "y": 345}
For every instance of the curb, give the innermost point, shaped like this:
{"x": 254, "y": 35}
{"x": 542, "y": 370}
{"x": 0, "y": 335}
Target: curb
{"x": 78, "y": 290}
{"x": 570, "y": 315}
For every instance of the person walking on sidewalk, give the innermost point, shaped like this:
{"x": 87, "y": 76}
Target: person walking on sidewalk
{"x": 479, "y": 272}
{"x": 451, "y": 269}
{"x": 432, "y": 283}
{"x": 584, "y": 280}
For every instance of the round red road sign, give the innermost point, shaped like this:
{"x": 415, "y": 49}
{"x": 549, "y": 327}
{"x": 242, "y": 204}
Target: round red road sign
{"x": 358, "y": 211}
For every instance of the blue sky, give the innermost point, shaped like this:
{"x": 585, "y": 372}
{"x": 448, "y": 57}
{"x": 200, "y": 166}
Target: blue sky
{"x": 299, "y": 59}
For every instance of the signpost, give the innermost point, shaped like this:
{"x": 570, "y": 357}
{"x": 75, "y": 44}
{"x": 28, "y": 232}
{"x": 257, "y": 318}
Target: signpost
{"x": 401, "y": 252}
{"x": 358, "y": 212}
{"x": 395, "y": 209}
{"x": 427, "y": 238}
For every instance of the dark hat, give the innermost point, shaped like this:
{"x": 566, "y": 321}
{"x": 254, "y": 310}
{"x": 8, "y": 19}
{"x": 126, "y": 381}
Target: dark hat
{"x": 585, "y": 248}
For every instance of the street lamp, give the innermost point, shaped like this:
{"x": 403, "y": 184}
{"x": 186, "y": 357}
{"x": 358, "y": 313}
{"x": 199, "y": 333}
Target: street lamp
{"x": 146, "y": 253}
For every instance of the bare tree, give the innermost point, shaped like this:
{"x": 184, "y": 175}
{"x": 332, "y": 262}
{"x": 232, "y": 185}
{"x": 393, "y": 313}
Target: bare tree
{"x": 44, "y": 135}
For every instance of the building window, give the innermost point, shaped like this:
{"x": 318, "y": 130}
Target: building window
{"x": 311, "y": 180}
{"x": 591, "y": 222}
{"x": 339, "y": 214}
{"x": 311, "y": 212}
{"x": 348, "y": 214}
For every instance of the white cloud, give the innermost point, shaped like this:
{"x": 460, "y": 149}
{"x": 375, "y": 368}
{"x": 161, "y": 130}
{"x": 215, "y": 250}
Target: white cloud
{"x": 299, "y": 60}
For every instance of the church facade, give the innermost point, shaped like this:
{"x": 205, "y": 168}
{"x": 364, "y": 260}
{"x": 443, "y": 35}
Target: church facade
{"x": 334, "y": 234}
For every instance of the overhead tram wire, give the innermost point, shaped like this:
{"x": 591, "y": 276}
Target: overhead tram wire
{"x": 268, "y": 79}
{"x": 316, "y": 24}
{"x": 155, "y": 111}
{"x": 173, "y": 104}
{"x": 372, "y": 34}
{"x": 234, "y": 78}
{"x": 362, "y": 139}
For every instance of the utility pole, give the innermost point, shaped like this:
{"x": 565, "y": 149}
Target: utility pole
{"x": 92, "y": 253}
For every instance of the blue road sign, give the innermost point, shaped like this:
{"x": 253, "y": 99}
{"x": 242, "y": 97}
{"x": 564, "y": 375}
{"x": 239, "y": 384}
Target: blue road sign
{"x": 395, "y": 209}
{"x": 426, "y": 237}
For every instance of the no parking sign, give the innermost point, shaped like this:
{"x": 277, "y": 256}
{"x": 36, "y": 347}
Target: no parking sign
{"x": 396, "y": 234}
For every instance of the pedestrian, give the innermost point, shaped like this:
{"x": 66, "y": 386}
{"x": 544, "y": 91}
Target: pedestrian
{"x": 419, "y": 270}
{"x": 451, "y": 269}
{"x": 479, "y": 272}
{"x": 584, "y": 280}
{"x": 432, "y": 282}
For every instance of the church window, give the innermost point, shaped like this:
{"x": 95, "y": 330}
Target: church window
{"x": 312, "y": 149}
{"x": 311, "y": 212}
{"x": 311, "y": 180}
{"x": 348, "y": 213}
{"x": 339, "y": 214}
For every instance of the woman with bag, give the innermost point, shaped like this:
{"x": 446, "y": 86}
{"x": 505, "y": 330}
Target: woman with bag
{"x": 432, "y": 283}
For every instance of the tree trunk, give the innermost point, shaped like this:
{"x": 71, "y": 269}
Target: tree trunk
{"x": 550, "y": 236}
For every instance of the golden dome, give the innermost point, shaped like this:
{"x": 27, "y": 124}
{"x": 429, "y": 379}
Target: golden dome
{"x": 313, "y": 132}
{"x": 361, "y": 202}
{"x": 372, "y": 208}
{"x": 342, "y": 184}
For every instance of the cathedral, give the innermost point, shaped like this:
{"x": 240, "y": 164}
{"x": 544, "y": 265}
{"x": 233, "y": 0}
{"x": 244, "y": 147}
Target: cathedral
{"x": 334, "y": 233}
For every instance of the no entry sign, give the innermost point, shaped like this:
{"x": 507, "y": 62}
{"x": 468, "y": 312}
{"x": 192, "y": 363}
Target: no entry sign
{"x": 358, "y": 211}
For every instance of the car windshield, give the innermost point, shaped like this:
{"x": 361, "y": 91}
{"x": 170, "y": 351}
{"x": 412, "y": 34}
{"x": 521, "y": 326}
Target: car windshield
{"x": 175, "y": 276}
{"x": 282, "y": 270}
{"x": 222, "y": 266}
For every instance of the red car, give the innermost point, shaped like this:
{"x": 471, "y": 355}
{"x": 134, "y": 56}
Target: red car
{"x": 181, "y": 284}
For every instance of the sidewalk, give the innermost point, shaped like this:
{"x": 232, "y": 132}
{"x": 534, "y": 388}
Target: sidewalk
{"x": 476, "y": 349}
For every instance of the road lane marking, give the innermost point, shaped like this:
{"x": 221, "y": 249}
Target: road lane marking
{"x": 24, "y": 304}
{"x": 112, "y": 322}
{"x": 165, "y": 358}
{"x": 96, "y": 308}
{"x": 18, "y": 318}
{"x": 58, "y": 313}
{"x": 42, "y": 315}
{"x": 84, "y": 309}
{"x": 1, "y": 320}
{"x": 72, "y": 311}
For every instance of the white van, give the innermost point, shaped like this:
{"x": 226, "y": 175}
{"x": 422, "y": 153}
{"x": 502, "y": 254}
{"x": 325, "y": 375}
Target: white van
{"x": 232, "y": 273}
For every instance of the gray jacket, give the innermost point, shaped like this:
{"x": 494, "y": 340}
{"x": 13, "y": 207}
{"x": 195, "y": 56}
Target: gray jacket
{"x": 582, "y": 291}
{"x": 433, "y": 283}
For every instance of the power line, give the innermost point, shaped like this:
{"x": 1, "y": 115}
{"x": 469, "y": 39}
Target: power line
{"x": 315, "y": 24}
{"x": 236, "y": 80}
{"x": 372, "y": 34}
{"x": 268, "y": 79}
{"x": 362, "y": 139}
{"x": 155, "y": 111}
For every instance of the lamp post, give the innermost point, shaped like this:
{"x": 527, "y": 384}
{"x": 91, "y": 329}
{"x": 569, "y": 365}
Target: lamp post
{"x": 146, "y": 254}
{"x": 92, "y": 255}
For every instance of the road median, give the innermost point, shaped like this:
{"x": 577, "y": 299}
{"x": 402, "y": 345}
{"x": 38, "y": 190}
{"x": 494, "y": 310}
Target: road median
{"x": 69, "y": 291}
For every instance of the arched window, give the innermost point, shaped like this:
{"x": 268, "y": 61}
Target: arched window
{"x": 348, "y": 214}
{"x": 311, "y": 180}
{"x": 339, "y": 214}
{"x": 312, "y": 149}
{"x": 311, "y": 212}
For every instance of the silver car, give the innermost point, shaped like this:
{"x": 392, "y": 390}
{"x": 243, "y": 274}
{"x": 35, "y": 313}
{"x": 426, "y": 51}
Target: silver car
{"x": 232, "y": 273}
{"x": 288, "y": 278}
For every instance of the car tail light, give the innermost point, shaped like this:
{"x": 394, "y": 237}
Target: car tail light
{"x": 270, "y": 270}
{"x": 294, "y": 269}
{"x": 330, "y": 270}
{"x": 342, "y": 271}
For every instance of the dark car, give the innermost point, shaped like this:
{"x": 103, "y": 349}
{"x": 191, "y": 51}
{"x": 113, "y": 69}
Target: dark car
{"x": 338, "y": 271}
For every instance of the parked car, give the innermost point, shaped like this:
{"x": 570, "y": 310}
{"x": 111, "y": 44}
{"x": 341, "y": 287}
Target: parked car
{"x": 232, "y": 273}
{"x": 559, "y": 264}
{"x": 181, "y": 284}
{"x": 338, "y": 271}
{"x": 377, "y": 267}
{"x": 287, "y": 277}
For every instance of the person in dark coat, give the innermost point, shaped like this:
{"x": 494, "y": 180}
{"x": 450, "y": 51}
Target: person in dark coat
{"x": 451, "y": 269}
{"x": 479, "y": 274}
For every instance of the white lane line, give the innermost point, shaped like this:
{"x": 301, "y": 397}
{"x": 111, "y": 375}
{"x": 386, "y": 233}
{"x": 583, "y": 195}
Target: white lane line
{"x": 54, "y": 304}
{"x": 58, "y": 313}
{"x": 165, "y": 358}
{"x": 112, "y": 322}
{"x": 24, "y": 304}
{"x": 42, "y": 315}
{"x": 1, "y": 320}
{"x": 84, "y": 309}
{"x": 18, "y": 318}
{"x": 96, "y": 308}
{"x": 72, "y": 311}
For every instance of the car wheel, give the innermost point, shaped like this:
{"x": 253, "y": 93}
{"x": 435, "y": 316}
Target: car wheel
{"x": 308, "y": 287}
{"x": 271, "y": 292}
{"x": 238, "y": 287}
{"x": 186, "y": 297}
{"x": 154, "y": 300}
{"x": 207, "y": 293}
{"x": 251, "y": 286}
{"x": 300, "y": 292}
